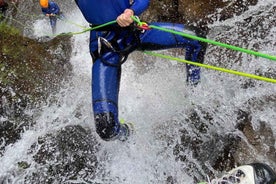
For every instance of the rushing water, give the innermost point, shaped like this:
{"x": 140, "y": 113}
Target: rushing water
{"x": 155, "y": 98}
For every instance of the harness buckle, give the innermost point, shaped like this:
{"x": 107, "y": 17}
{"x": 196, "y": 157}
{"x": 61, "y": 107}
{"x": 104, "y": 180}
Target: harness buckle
{"x": 104, "y": 44}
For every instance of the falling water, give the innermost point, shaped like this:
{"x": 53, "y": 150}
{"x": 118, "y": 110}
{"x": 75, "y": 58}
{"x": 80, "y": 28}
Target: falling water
{"x": 155, "y": 98}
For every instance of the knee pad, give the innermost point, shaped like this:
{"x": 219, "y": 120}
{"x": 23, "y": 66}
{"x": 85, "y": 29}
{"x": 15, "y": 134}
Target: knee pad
{"x": 106, "y": 126}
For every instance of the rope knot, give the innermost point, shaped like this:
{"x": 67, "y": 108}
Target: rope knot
{"x": 140, "y": 24}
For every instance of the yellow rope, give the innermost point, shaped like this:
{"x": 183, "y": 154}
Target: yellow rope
{"x": 212, "y": 67}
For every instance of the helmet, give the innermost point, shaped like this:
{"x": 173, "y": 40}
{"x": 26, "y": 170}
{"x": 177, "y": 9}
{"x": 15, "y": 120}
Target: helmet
{"x": 43, "y": 3}
{"x": 255, "y": 173}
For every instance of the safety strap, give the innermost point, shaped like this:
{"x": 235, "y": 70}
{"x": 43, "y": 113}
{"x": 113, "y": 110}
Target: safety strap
{"x": 123, "y": 48}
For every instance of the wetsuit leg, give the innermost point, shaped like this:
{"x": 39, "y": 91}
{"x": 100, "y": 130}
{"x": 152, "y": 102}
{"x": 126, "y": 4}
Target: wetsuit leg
{"x": 154, "y": 40}
{"x": 106, "y": 73}
{"x": 53, "y": 23}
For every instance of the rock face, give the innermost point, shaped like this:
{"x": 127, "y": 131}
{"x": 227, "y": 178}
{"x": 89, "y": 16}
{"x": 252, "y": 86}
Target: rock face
{"x": 262, "y": 140}
{"x": 75, "y": 147}
{"x": 199, "y": 13}
{"x": 199, "y": 10}
{"x": 31, "y": 70}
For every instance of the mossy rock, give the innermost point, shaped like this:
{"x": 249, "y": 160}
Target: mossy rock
{"x": 31, "y": 70}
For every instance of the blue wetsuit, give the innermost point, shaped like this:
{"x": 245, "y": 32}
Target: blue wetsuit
{"x": 106, "y": 69}
{"x": 53, "y": 8}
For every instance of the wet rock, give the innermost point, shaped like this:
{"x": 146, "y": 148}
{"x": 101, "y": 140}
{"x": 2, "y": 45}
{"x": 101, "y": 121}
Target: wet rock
{"x": 260, "y": 139}
{"x": 253, "y": 29}
{"x": 30, "y": 72}
{"x": 67, "y": 155}
{"x": 203, "y": 150}
{"x": 199, "y": 141}
{"x": 33, "y": 69}
{"x": 199, "y": 13}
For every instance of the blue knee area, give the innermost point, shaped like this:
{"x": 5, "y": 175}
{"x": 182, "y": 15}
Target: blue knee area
{"x": 195, "y": 51}
{"x": 105, "y": 88}
{"x": 53, "y": 22}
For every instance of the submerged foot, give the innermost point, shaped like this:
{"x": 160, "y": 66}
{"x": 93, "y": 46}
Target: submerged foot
{"x": 125, "y": 131}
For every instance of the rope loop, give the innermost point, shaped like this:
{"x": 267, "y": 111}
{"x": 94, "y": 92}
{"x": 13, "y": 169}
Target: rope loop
{"x": 140, "y": 24}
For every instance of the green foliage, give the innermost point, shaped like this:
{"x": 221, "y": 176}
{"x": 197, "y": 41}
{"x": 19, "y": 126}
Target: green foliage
{"x": 7, "y": 29}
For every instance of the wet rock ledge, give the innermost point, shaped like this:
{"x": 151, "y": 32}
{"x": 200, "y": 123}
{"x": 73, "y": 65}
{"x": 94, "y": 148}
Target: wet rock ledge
{"x": 31, "y": 70}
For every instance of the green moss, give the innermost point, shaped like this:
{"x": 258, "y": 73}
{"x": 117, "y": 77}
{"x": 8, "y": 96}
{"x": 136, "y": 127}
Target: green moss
{"x": 6, "y": 29}
{"x": 30, "y": 67}
{"x": 4, "y": 76}
{"x": 10, "y": 37}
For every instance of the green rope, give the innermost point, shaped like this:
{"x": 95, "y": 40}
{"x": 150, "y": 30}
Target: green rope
{"x": 210, "y": 41}
{"x": 24, "y": 14}
{"x": 70, "y": 22}
{"x": 212, "y": 67}
{"x": 91, "y": 28}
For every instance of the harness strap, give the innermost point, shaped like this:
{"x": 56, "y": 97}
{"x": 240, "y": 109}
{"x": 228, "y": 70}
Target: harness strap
{"x": 128, "y": 43}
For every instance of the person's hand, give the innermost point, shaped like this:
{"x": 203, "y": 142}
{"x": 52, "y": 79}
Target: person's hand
{"x": 50, "y": 15}
{"x": 125, "y": 19}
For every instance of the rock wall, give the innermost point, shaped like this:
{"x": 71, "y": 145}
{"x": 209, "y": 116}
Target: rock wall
{"x": 199, "y": 13}
{"x": 31, "y": 70}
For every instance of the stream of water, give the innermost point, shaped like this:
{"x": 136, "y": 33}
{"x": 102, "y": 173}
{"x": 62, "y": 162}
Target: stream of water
{"x": 153, "y": 95}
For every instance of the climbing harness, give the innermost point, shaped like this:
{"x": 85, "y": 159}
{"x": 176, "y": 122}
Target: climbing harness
{"x": 123, "y": 48}
{"x": 123, "y": 45}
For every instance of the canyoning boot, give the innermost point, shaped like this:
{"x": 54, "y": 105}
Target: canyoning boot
{"x": 126, "y": 130}
{"x": 193, "y": 74}
{"x": 255, "y": 173}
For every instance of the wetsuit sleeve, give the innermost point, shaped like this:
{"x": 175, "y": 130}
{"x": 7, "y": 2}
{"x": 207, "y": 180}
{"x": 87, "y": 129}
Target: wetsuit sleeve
{"x": 139, "y": 6}
{"x": 44, "y": 11}
{"x": 55, "y": 8}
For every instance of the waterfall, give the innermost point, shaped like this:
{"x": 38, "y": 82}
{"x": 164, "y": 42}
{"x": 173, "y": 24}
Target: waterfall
{"x": 155, "y": 98}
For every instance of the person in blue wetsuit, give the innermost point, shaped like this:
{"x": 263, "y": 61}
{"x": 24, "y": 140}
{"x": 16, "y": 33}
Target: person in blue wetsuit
{"x": 110, "y": 46}
{"x": 51, "y": 10}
